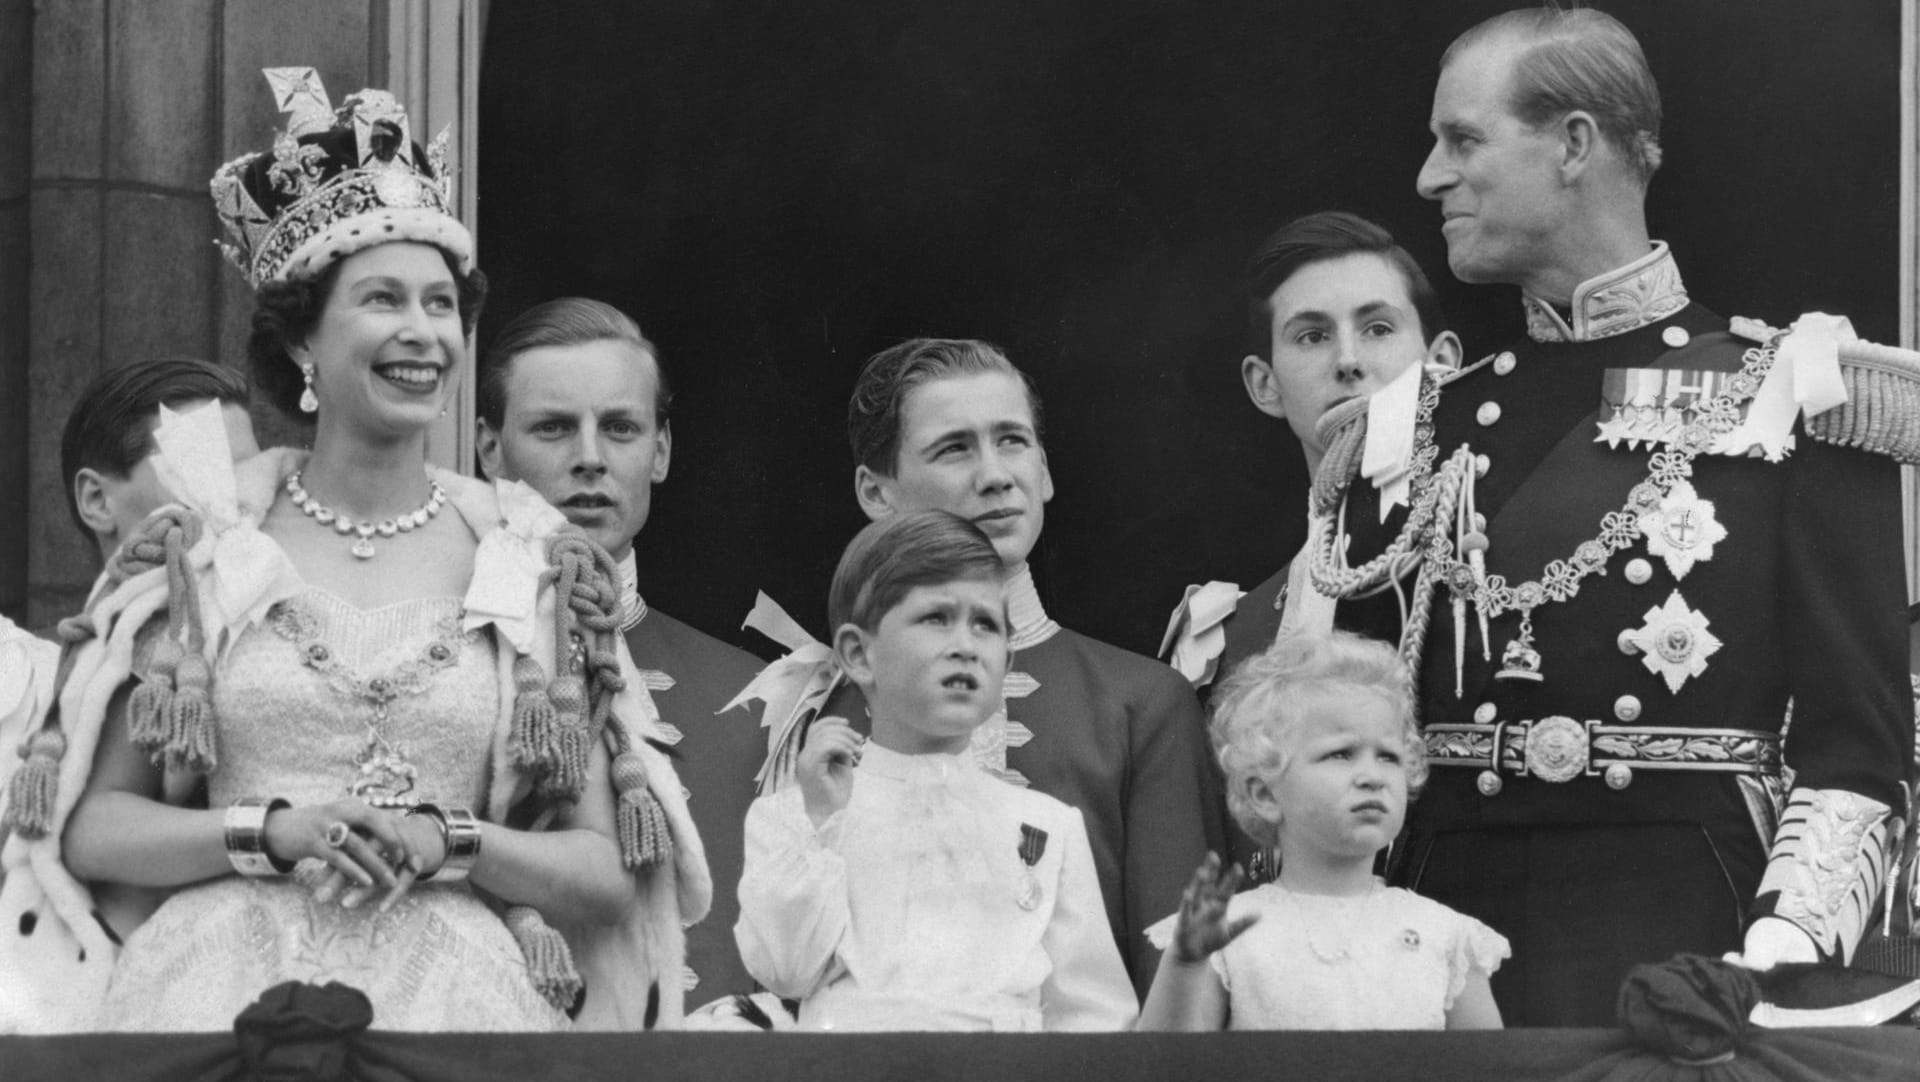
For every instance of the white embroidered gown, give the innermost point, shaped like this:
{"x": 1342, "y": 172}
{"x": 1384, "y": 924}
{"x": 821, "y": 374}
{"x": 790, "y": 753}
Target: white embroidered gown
{"x": 321, "y": 696}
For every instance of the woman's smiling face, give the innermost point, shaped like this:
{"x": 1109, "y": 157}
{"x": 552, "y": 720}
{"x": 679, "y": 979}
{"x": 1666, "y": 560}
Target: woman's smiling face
{"x": 388, "y": 346}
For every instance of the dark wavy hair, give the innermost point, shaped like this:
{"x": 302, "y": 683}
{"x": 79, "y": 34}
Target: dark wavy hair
{"x": 873, "y": 410}
{"x": 110, "y": 428}
{"x": 1316, "y": 238}
{"x": 892, "y": 555}
{"x": 285, "y": 311}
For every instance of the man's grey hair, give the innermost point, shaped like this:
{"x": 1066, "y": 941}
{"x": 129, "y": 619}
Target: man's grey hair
{"x": 1579, "y": 59}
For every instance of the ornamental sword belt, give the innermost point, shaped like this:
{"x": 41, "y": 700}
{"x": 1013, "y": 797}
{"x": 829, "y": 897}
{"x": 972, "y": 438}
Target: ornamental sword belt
{"x": 1559, "y": 749}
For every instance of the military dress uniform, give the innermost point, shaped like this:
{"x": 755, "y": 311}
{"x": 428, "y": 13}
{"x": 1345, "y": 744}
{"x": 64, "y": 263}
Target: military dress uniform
{"x": 1608, "y": 777}
{"x": 690, "y": 676}
{"x": 1110, "y": 732}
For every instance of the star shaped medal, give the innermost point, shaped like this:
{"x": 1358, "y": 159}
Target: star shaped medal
{"x": 1615, "y": 428}
{"x": 1682, "y": 529}
{"x": 1674, "y": 643}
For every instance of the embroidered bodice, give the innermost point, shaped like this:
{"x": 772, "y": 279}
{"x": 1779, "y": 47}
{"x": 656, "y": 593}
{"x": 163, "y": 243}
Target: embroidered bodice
{"x": 323, "y": 700}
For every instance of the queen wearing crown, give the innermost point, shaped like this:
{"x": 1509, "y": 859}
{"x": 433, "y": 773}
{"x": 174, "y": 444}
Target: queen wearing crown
{"x": 353, "y": 718}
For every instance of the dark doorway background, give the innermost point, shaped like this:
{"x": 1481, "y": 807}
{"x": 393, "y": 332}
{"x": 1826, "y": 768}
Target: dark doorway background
{"x": 777, "y": 190}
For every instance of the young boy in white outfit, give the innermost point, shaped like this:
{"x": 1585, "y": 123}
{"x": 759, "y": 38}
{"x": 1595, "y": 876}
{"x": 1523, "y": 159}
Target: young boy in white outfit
{"x": 897, "y": 886}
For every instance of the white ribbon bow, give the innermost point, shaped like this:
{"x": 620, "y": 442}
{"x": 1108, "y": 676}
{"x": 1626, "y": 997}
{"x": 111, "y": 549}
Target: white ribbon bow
{"x": 507, "y": 565}
{"x": 242, "y": 572}
{"x": 1805, "y": 380}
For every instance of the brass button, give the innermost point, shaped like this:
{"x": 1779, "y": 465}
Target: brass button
{"x": 1504, "y": 363}
{"x": 1481, "y": 464}
{"x": 1626, "y": 644}
{"x": 1489, "y": 783}
{"x": 1485, "y": 713}
{"x": 1639, "y": 571}
{"x": 1619, "y": 776}
{"x": 1626, "y": 708}
{"x": 1675, "y": 337}
{"x": 1488, "y": 414}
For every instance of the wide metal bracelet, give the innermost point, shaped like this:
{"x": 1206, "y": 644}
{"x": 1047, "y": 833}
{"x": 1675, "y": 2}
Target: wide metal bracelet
{"x": 246, "y": 826}
{"x": 459, "y": 834}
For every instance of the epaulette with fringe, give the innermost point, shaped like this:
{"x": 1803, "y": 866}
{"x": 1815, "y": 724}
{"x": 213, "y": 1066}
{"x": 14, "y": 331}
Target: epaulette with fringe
{"x": 1882, "y": 410}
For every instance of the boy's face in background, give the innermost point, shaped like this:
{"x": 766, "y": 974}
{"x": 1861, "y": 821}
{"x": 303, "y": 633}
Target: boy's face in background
{"x": 933, "y": 667}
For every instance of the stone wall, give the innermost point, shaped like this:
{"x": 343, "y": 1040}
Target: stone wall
{"x": 113, "y": 114}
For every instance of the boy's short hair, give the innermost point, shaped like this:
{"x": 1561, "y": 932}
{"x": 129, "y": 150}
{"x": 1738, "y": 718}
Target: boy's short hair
{"x": 564, "y": 321}
{"x": 1261, "y": 701}
{"x": 873, "y": 410}
{"x": 111, "y": 427}
{"x": 891, "y": 556}
{"x": 1316, "y": 238}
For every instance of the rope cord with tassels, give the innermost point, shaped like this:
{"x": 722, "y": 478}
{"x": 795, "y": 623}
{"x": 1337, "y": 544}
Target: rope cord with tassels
{"x": 555, "y": 724}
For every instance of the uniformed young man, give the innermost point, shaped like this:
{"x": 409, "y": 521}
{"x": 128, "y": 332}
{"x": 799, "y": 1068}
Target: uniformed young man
{"x": 951, "y": 424}
{"x": 1337, "y": 311}
{"x": 1631, "y": 578}
{"x": 574, "y": 402}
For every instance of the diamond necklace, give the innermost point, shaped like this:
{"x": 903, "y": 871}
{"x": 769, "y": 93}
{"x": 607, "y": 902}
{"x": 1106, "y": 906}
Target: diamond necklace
{"x": 365, "y": 531}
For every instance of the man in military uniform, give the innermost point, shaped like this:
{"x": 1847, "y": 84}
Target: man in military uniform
{"x": 1633, "y": 576}
{"x": 951, "y": 424}
{"x": 573, "y": 401}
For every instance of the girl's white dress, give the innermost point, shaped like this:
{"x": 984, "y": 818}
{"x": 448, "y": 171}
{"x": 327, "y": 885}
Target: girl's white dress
{"x": 1389, "y": 959}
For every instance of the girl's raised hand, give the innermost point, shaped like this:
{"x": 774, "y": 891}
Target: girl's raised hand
{"x": 825, "y": 768}
{"x": 1203, "y": 927}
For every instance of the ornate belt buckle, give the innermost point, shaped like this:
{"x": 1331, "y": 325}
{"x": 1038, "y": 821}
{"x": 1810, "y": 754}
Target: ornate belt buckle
{"x": 1557, "y": 749}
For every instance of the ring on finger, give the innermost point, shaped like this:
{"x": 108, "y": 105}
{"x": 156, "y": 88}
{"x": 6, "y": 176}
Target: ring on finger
{"x": 337, "y": 834}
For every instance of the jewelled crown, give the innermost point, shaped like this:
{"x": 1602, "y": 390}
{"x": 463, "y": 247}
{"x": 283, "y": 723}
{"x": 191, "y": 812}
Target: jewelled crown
{"x": 335, "y": 182}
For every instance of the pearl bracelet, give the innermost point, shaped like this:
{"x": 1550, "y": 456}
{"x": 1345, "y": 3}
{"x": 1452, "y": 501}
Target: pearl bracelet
{"x": 246, "y": 825}
{"x": 460, "y": 837}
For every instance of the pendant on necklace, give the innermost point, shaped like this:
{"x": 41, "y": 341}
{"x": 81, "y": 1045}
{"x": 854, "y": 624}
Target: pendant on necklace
{"x": 363, "y": 548}
{"x": 1520, "y": 662}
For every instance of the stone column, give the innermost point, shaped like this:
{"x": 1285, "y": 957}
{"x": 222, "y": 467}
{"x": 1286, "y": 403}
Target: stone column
{"x": 133, "y": 105}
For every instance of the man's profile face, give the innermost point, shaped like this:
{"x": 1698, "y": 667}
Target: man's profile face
{"x": 1502, "y": 199}
{"x": 1342, "y": 328}
{"x": 968, "y": 445}
{"x": 579, "y": 427}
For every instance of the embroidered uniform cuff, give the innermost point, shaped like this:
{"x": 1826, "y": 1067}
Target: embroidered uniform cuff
{"x": 1829, "y": 860}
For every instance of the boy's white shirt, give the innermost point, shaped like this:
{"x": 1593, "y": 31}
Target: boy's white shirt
{"x": 901, "y": 911}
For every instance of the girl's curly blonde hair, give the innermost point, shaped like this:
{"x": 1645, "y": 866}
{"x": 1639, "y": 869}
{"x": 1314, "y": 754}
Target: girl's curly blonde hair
{"x": 1263, "y": 699}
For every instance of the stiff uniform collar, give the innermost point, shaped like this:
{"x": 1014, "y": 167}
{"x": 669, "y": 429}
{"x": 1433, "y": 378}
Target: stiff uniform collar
{"x": 633, "y": 607}
{"x": 1644, "y": 291}
{"x": 1031, "y": 624}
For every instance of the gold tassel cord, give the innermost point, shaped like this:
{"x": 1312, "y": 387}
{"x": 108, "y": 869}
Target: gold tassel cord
{"x": 35, "y": 784}
{"x": 645, "y": 839}
{"x": 549, "y": 961}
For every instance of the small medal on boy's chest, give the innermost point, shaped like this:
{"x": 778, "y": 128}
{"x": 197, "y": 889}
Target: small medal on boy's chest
{"x": 1033, "y": 846}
